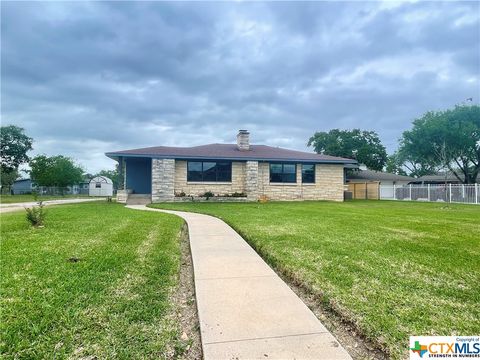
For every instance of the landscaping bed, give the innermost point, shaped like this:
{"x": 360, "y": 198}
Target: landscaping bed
{"x": 385, "y": 269}
{"x": 210, "y": 199}
{"x": 97, "y": 281}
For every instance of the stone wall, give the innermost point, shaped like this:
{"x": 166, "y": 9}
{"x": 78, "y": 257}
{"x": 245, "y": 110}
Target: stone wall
{"x": 163, "y": 180}
{"x": 328, "y": 184}
{"x": 169, "y": 177}
{"x": 220, "y": 188}
{"x": 251, "y": 180}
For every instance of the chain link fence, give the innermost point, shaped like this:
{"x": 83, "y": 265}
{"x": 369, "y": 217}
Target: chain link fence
{"x": 47, "y": 190}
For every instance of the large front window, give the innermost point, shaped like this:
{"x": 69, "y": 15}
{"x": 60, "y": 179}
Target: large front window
{"x": 209, "y": 171}
{"x": 283, "y": 173}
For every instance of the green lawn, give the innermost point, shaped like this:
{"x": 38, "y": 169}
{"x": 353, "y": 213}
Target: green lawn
{"x": 10, "y": 199}
{"x": 112, "y": 303}
{"x": 393, "y": 269}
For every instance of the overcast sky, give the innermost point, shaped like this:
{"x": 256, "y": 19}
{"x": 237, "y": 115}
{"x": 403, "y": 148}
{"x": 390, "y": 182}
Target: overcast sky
{"x": 87, "y": 78}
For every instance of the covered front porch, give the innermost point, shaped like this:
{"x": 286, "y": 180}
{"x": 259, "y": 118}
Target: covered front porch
{"x": 136, "y": 173}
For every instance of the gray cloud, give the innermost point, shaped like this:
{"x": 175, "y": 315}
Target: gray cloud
{"x": 86, "y": 78}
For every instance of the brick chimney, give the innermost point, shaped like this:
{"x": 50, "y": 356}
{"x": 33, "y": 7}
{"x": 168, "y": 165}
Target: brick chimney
{"x": 243, "y": 140}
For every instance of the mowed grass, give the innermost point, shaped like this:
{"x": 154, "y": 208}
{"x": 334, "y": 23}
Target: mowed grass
{"x": 393, "y": 269}
{"x": 11, "y": 199}
{"x": 111, "y": 303}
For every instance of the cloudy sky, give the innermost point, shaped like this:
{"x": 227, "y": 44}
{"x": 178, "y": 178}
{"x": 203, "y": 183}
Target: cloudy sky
{"x": 86, "y": 78}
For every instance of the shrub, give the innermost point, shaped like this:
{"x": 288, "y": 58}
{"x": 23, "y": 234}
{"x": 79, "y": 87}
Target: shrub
{"x": 180, "y": 194}
{"x": 236, "y": 195}
{"x": 36, "y": 215}
{"x": 207, "y": 194}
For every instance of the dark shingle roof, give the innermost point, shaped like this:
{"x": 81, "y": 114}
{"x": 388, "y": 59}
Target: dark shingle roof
{"x": 377, "y": 176}
{"x": 440, "y": 177}
{"x": 229, "y": 152}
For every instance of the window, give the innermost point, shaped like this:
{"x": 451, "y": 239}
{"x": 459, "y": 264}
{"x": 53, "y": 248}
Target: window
{"x": 308, "y": 173}
{"x": 283, "y": 173}
{"x": 209, "y": 171}
{"x": 98, "y": 185}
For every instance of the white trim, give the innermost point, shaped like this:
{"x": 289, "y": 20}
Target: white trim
{"x": 283, "y": 184}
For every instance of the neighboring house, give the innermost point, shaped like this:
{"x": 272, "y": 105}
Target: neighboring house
{"x": 27, "y": 186}
{"x": 371, "y": 184}
{"x": 440, "y": 178}
{"x": 80, "y": 188}
{"x": 22, "y": 186}
{"x": 100, "y": 186}
{"x": 383, "y": 178}
{"x": 258, "y": 171}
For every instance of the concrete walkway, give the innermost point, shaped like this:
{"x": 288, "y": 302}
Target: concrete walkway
{"x": 245, "y": 310}
{"x": 21, "y": 206}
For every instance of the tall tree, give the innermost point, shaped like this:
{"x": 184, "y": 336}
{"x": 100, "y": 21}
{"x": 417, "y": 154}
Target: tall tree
{"x": 363, "y": 146}
{"x": 415, "y": 164}
{"x": 57, "y": 170}
{"x": 394, "y": 165}
{"x": 7, "y": 179}
{"x": 448, "y": 140}
{"x": 14, "y": 145}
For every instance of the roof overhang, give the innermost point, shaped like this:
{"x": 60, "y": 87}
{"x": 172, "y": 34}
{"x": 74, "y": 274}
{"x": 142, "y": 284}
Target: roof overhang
{"x": 116, "y": 156}
{"x": 352, "y": 165}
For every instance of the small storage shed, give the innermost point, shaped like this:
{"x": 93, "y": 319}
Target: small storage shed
{"x": 100, "y": 186}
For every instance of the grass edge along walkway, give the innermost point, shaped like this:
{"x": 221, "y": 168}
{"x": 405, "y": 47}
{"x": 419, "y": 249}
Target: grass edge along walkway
{"x": 97, "y": 280}
{"x": 392, "y": 269}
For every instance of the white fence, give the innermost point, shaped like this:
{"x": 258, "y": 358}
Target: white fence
{"x": 452, "y": 193}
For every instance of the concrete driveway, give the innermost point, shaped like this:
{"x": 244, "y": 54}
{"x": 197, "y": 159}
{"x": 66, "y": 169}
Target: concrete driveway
{"x": 21, "y": 206}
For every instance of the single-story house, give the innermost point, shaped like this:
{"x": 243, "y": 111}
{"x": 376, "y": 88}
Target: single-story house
{"x": 383, "y": 178}
{"x": 258, "y": 171}
{"x": 441, "y": 178}
{"x": 80, "y": 188}
{"x": 22, "y": 186}
{"x": 377, "y": 184}
{"x": 27, "y": 186}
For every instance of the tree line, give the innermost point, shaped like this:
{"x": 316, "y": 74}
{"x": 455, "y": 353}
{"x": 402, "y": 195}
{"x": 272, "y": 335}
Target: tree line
{"x": 446, "y": 140}
{"x": 50, "y": 171}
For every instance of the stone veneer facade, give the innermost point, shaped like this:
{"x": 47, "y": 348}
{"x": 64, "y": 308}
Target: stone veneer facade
{"x": 329, "y": 184}
{"x": 169, "y": 177}
{"x": 218, "y": 188}
{"x": 163, "y": 180}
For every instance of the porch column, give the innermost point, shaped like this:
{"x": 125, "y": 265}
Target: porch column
{"x": 121, "y": 173}
{"x": 122, "y": 193}
{"x": 251, "y": 185}
{"x": 163, "y": 180}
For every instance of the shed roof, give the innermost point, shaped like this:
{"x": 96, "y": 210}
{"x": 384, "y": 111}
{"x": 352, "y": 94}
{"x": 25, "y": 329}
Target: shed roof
{"x": 20, "y": 180}
{"x": 230, "y": 152}
{"x": 103, "y": 179}
{"x": 378, "y": 176}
